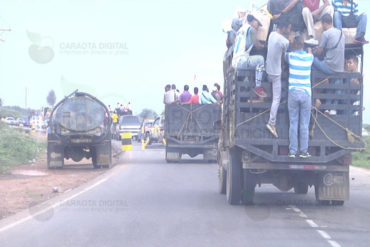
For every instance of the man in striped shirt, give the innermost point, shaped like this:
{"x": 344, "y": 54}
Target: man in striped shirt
{"x": 299, "y": 98}
{"x": 343, "y": 9}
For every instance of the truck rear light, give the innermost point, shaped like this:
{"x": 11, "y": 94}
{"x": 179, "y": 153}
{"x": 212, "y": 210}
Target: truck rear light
{"x": 347, "y": 159}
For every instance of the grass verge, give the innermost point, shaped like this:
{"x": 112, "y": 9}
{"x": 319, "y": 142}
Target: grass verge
{"x": 17, "y": 148}
{"x": 362, "y": 159}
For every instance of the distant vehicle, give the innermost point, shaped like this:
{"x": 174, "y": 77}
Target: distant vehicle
{"x": 156, "y": 133}
{"x": 146, "y": 129}
{"x": 10, "y": 120}
{"x": 129, "y": 124}
{"x": 192, "y": 129}
{"x": 80, "y": 127}
{"x": 23, "y": 122}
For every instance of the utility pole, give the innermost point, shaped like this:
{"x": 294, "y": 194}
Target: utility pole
{"x": 25, "y": 98}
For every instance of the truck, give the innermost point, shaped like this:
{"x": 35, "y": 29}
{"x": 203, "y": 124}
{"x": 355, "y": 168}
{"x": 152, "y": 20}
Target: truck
{"x": 79, "y": 127}
{"x": 249, "y": 155}
{"x": 191, "y": 129}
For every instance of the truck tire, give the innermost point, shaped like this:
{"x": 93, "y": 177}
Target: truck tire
{"x": 234, "y": 177}
{"x": 170, "y": 159}
{"x": 221, "y": 175}
{"x": 301, "y": 188}
{"x": 94, "y": 159}
{"x": 249, "y": 188}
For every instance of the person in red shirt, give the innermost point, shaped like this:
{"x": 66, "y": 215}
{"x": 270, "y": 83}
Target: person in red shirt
{"x": 311, "y": 13}
{"x": 195, "y": 98}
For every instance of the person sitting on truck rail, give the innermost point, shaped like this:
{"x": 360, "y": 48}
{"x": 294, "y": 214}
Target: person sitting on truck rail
{"x": 219, "y": 91}
{"x": 299, "y": 97}
{"x": 313, "y": 12}
{"x": 242, "y": 58}
{"x": 205, "y": 97}
{"x": 195, "y": 98}
{"x": 277, "y": 46}
{"x": 169, "y": 95}
{"x": 236, "y": 24}
{"x": 342, "y": 18}
{"x": 185, "y": 96}
{"x": 291, "y": 9}
{"x": 332, "y": 43}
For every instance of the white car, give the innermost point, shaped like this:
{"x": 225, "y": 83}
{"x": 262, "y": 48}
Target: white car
{"x": 10, "y": 120}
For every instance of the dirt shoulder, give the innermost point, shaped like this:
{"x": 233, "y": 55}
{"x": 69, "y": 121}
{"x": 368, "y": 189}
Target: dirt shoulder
{"x": 31, "y": 184}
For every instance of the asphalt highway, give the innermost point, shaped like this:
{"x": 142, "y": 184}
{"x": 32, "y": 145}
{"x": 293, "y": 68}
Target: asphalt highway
{"x": 148, "y": 202}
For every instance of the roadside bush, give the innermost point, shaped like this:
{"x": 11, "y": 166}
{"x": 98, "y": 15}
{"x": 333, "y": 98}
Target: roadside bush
{"x": 362, "y": 159}
{"x": 16, "y": 148}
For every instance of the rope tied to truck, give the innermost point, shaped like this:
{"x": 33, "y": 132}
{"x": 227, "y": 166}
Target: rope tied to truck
{"x": 284, "y": 102}
{"x": 352, "y": 137}
{"x": 189, "y": 118}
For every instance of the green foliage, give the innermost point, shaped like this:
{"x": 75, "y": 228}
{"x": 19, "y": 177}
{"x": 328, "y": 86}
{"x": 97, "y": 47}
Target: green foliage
{"x": 362, "y": 159}
{"x": 13, "y": 111}
{"x": 16, "y": 148}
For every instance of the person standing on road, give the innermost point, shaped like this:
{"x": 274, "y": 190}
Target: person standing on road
{"x": 277, "y": 46}
{"x": 185, "y": 96}
{"x": 299, "y": 98}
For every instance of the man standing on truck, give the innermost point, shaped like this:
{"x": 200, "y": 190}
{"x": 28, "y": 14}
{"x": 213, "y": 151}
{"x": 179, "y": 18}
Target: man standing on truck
{"x": 277, "y": 46}
{"x": 299, "y": 97}
{"x": 242, "y": 58}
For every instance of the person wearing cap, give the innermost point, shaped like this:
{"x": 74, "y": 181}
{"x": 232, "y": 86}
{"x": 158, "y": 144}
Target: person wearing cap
{"x": 242, "y": 58}
{"x": 313, "y": 12}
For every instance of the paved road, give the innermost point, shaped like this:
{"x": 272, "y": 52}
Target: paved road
{"x": 148, "y": 202}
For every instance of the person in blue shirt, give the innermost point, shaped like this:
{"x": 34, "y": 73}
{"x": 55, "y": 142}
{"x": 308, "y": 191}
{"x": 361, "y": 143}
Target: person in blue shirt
{"x": 299, "y": 98}
{"x": 206, "y": 97}
{"x": 345, "y": 8}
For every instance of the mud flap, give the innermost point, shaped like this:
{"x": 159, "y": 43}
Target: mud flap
{"x": 210, "y": 154}
{"x": 332, "y": 186}
{"x": 55, "y": 156}
{"x": 103, "y": 154}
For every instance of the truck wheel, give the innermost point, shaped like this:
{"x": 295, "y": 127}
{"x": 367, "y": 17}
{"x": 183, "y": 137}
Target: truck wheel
{"x": 94, "y": 159}
{"x": 234, "y": 179}
{"x": 249, "y": 188}
{"x": 221, "y": 175}
{"x": 301, "y": 188}
{"x": 172, "y": 157}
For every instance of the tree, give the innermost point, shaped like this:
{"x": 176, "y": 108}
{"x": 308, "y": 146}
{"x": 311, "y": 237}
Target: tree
{"x": 1, "y": 102}
{"x": 148, "y": 113}
{"x": 51, "y": 98}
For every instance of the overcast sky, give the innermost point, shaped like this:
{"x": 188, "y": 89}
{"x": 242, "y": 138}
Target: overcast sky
{"x": 118, "y": 50}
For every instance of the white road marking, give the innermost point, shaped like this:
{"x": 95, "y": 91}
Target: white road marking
{"x": 52, "y": 206}
{"x": 334, "y": 244}
{"x": 324, "y": 234}
{"x": 312, "y": 223}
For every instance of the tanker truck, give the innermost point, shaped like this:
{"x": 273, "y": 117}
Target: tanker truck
{"x": 79, "y": 127}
